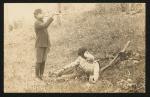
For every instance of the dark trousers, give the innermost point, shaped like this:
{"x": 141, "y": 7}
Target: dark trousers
{"x": 41, "y": 55}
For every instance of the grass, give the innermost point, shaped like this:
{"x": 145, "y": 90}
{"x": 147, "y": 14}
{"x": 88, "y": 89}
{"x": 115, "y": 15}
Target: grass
{"x": 104, "y": 35}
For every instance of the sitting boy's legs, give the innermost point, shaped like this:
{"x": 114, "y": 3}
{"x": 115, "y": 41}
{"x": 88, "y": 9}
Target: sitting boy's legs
{"x": 79, "y": 72}
{"x": 68, "y": 74}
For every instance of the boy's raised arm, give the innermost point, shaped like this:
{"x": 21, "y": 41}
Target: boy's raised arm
{"x": 40, "y": 25}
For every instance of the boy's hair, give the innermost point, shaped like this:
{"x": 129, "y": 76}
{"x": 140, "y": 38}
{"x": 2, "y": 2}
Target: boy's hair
{"x": 37, "y": 11}
{"x": 81, "y": 52}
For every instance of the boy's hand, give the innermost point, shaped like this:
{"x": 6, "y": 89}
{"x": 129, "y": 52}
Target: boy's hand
{"x": 92, "y": 80}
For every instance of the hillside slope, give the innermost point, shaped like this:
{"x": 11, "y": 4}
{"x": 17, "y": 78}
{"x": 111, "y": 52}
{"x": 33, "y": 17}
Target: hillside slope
{"x": 104, "y": 35}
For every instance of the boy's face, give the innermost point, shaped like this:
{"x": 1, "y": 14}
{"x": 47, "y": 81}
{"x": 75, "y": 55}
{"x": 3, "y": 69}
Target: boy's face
{"x": 88, "y": 55}
{"x": 40, "y": 15}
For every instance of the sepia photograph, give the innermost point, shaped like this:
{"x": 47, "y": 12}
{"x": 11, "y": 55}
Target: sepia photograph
{"x": 74, "y": 47}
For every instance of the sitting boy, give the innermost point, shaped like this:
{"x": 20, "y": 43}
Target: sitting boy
{"x": 86, "y": 63}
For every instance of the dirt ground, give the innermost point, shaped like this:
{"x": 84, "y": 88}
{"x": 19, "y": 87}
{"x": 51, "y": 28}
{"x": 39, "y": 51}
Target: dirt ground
{"x": 103, "y": 34}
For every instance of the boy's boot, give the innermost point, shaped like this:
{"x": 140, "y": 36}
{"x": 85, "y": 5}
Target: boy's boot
{"x": 42, "y": 67}
{"x": 37, "y": 70}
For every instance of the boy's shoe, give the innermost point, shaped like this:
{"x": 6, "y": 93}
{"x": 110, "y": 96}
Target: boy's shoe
{"x": 39, "y": 82}
{"x": 41, "y": 77}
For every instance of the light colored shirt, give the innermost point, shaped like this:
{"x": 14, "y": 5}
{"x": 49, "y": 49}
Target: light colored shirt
{"x": 90, "y": 67}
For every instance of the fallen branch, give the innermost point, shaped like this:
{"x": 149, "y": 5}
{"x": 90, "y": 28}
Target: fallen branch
{"x": 115, "y": 58}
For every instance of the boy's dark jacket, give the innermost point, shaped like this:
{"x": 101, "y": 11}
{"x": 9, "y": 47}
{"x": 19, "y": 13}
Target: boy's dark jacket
{"x": 42, "y": 37}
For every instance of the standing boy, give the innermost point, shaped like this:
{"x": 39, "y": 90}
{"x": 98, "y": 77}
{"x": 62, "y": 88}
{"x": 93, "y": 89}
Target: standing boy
{"x": 42, "y": 43}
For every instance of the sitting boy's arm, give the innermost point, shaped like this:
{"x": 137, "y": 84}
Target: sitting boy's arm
{"x": 70, "y": 66}
{"x": 40, "y": 25}
{"x": 95, "y": 75}
{"x": 96, "y": 71}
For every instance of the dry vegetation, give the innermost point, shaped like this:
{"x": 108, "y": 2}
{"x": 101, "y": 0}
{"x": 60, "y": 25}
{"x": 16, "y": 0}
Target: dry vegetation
{"x": 102, "y": 32}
